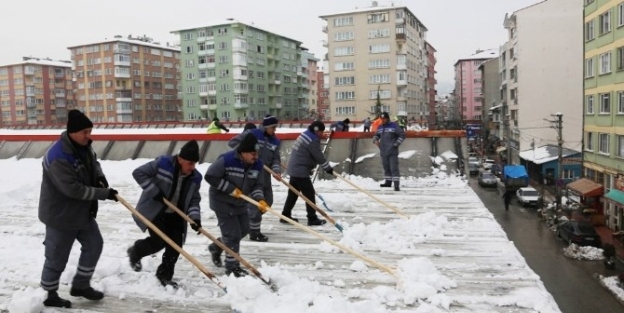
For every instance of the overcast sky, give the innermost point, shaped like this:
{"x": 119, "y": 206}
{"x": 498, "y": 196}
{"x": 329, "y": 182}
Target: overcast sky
{"x": 45, "y": 28}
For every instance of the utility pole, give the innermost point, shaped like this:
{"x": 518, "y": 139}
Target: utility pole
{"x": 558, "y": 125}
{"x": 506, "y": 130}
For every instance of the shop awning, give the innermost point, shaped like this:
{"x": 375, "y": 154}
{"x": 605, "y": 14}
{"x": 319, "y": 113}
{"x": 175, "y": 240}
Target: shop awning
{"x": 616, "y": 196}
{"x": 500, "y": 149}
{"x": 586, "y": 187}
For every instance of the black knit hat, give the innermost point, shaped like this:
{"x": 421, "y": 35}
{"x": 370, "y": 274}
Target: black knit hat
{"x": 249, "y": 126}
{"x": 248, "y": 144}
{"x": 346, "y": 121}
{"x": 269, "y": 121}
{"x": 190, "y": 151}
{"x": 77, "y": 121}
{"x": 385, "y": 115}
{"x": 316, "y": 126}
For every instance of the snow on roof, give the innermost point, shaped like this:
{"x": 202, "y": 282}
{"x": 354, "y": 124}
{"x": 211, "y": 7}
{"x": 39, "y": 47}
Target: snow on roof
{"x": 543, "y": 154}
{"x": 45, "y": 62}
{"x": 229, "y": 21}
{"x": 485, "y": 54}
{"x": 372, "y": 9}
{"x": 496, "y": 107}
{"x": 131, "y": 41}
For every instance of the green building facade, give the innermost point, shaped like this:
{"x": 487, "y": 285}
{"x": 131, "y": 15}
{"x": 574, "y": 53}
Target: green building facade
{"x": 238, "y": 72}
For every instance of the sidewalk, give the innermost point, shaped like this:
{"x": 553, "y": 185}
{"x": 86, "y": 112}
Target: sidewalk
{"x": 606, "y": 234}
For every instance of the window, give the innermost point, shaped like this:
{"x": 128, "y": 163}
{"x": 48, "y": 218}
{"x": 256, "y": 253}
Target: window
{"x": 379, "y": 79}
{"x": 345, "y": 111}
{"x": 589, "y": 141}
{"x": 343, "y": 21}
{"x": 605, "y": 22}
{"x": 344, "y": 66}
{"x": 379, "y": 48}
{"x": 345, "y": 95}
{"x": 343, "y": 51}
{"x": 344, "y": 36}
{"x": 589, "y": 104}
{"x": 605, "y": 63}
{"x": 620, "y": 146}
{"x": 372, "y": 64}
{"x": 620, "y": 102}
{"x": 383, "y": 94}
{"x": 378, "y": 17}
{"x": 619, "y": 62}
{"x": 620, "y": 17}
{"x": 589, "y": 31}
{"x": 605, "y": 103}
{"x": 350, "y": 80}
{"x": 603, "y": 143}
{"x": 589, "y": 67}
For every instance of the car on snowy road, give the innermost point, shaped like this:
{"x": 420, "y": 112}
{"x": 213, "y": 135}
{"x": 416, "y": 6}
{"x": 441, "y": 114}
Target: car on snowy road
{"x": 527, "y": 196}
{"x": 487, "y": 179}
{"x": 581, "y": 233}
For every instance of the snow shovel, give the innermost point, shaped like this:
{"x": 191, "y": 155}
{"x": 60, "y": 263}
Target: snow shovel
{"x": 221, "y": 245}
{"x": 393, "y": 208}
{"x": 318, "y": 195}
{"x": 170, "y": 242}
{"x": 325, "y": 238}
{"x": 308, "y": 201}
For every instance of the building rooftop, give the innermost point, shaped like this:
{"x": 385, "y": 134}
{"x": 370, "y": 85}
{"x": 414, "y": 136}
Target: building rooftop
{"x": 42, "y": 61}
{"x": 373, "y": 9}
{"x": 546, "y": 153}
{"x": 143, "y": 41}
{"x": 483, "y": 54}
{"x": 230, "y": 21}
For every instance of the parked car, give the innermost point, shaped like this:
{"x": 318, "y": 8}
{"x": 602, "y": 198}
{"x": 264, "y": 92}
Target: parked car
{"x": 473, "y": 169}
{"x": 581, "y": 233}
{"x": 473, "y": 159}
{"x": 487, "y": 179}
{"x": 487, "y": 164}
{"x": 527, "y": 196}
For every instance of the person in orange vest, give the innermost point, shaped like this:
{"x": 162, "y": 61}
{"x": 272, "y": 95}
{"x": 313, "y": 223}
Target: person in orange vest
{"x": 376, "y": 124}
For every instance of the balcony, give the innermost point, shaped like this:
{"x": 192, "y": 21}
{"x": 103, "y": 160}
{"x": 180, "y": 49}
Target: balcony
{"x": 277, "y": 105}
{"x": 123, "y": 110}
{"x": 119, "y": 74}
{"x": 399, "y": 20}
{"x": 123, "y": 96}
{"x": 59, "y": 94}
{"x": 119, "y": 62}
{"x": 400, "y": 37}
{"x": 278, "y": 82}
{"x": 325, "y": 44}
{"x": 401, "y": 66}
{"x": 121, "y": 51}
{"x": 203, "y": 93}
{"x": 206, "y": 52}
{"x": 240, "y": 105}
{"x": 325, "y": 30}
{"x": 299, "y": 73}
{"x": 29, "y": 70}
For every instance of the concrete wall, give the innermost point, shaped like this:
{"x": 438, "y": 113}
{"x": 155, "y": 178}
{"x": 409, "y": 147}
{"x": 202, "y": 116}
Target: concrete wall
{"x": 414, "y": 160}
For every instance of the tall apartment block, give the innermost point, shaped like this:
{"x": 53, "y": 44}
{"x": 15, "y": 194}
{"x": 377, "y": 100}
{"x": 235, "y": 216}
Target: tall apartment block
{"x": 307, "y": 85}
{"x": 236, "y": 71}
{"x": 603, "y": 119}
{"x": 322, "y": 94}
{"x": 376, "y": 50}
{"x": 429, "y": 119}
{"x": 35, "y": 92}
{"x": 127, "y": 80}
{"x": 468, "y": 88}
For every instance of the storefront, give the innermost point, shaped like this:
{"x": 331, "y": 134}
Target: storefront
{"x": 615, "y": 218}
{"x": 586, "y": 193}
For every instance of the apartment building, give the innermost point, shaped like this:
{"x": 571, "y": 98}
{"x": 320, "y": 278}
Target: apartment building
{"x": 491, "y": 107}
{"x": 603, "y": 131}
{"x": 322, "y": 93}
{"x": 429, "y": 118}
{"x": 307, "y": 85}
{"x": 468, "y": 85}
{"x": 235, "y": 71}
{"x": 541, "y": 74}
{"x": 126, "y": 80}
{"x": 35, "y": 92}
{"x": 376, "y": 50}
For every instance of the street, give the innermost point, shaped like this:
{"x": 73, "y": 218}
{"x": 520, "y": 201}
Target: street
{"x": 571, "y": 282}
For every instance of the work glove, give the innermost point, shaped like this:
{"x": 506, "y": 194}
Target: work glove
{"x": 196, "y": 226}
{"x": 103, "y": 182}
{"x": 227, "y": 130}
{"x": 236, "y": 193}
{"x": 263, "y": 206}
{"x": 330, "y": 171}
{"x": 112, "y": 194}
{"x": 159, "y": 197}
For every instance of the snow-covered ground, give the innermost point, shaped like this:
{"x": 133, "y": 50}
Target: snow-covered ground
{"x": 450, "y": 255}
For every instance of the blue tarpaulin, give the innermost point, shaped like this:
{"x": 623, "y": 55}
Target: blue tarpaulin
{"x": 515, "y": 171}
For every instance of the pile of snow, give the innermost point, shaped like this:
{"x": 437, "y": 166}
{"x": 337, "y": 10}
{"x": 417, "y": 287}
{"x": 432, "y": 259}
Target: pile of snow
{"x": 612, "y": 283}
{"x": 576, "y": 252}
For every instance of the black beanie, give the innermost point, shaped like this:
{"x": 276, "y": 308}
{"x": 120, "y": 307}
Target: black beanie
{"x": 346, "y": 121}
{"x": 249, "y": 126}
{"x": 77, "y": 121}
{"x": 248, "y": 144}
{"x": 316, "y": 126}
{"x": 385, "y": 115}
{"x": 190, "y": 151}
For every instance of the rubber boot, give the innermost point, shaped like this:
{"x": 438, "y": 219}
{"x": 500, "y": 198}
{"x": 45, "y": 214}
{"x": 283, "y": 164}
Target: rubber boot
{"x": 215, "y": 252}
{"x": 256, "y": 235}
{"x": 386, "y": 184}
{"x": 396, "y": 186}
{"x": 56, "y": 301}
{"x": 88, "y": 293}
{"x": 135, "y": 261}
